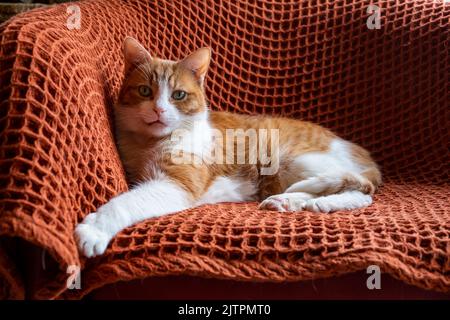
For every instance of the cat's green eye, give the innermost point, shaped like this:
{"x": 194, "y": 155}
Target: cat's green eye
{"x": 179, "y": 95}
{"x": 145, "y": 91}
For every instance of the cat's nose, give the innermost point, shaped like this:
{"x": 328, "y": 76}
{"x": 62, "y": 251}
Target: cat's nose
{"x": 159, "y": 110}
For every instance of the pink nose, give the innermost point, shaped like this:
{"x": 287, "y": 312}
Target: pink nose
{"x": 159, "y": 110}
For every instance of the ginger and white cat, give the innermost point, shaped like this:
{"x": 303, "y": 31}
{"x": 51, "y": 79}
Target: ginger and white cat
{"x": 316, "y": 170}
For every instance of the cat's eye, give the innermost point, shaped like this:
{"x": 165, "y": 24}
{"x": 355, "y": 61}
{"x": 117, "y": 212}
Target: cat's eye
{"x": 179, "y": 95}
{"x": 145, "y": 91}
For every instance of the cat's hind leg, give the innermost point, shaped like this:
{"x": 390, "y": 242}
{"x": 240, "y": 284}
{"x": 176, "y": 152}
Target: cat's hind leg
{"x": 323, "y": 193}
{"x": 331, "y": 183}
{"x": 332, "y": 179}
{"x": 347, "y": 200}
{"x": 297, "y": 201}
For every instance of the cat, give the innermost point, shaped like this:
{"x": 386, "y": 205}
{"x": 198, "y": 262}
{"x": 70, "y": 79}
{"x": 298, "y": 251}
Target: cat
{"x": 317, "y": 170}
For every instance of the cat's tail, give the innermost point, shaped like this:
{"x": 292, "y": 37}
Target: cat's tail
{"x": 332, "y": 183}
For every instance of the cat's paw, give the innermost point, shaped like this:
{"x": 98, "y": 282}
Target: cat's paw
{"x": 319, "y": 205}
{"x": 285, "y": 202}
{"x": 274, "y": 204}
{"x": 345, "y": 201}
{"x": 91, "y": 240}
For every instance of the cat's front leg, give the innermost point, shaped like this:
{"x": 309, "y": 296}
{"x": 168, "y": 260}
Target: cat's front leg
{"x": 150, "y": 199}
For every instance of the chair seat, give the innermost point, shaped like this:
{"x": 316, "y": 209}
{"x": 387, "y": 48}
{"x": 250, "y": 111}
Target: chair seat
{"x": 405, "y": 233}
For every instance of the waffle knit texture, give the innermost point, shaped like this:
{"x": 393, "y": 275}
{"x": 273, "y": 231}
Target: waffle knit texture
{"x": 386, "y": 89}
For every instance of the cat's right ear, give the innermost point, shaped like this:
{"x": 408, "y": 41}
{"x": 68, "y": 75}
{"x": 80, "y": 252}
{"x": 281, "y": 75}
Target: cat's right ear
{"x": 134, "y": 53}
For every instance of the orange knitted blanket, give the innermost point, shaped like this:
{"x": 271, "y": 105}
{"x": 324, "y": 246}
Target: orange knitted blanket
{"x": 385, "y": 88}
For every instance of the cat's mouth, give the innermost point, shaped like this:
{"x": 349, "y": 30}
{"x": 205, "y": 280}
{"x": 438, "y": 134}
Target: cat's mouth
{"x": 157, "y": 122}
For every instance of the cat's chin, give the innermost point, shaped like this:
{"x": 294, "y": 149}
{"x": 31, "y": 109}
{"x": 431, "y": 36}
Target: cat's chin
{"x": 157, "y": 123}
{"x": 158, "y": 129}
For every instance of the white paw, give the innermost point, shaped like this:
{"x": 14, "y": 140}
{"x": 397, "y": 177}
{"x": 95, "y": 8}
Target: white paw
{"x": 318, "y": 205}
{"x": 91, "y": 240}
{"x": 285, "y": 202}
{"x": 348, "y": 200}
{"x": 275, "y": 204}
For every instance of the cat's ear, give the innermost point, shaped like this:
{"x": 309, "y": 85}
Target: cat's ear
{"x": 134, "y": 53}
{"x": 198, "y": 62}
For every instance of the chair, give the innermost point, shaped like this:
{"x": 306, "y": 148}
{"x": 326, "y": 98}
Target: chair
{"x": 326, "y": 62}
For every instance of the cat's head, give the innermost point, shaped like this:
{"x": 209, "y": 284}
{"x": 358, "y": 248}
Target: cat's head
{"x": 159, "y": 96}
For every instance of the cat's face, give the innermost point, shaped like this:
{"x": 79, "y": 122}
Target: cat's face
{"x": 159, "y": 96}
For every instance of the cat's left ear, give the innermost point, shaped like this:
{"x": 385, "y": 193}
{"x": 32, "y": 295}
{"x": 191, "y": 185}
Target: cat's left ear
{"x": 198, "y": 62}
{"x": 134, "y": 53}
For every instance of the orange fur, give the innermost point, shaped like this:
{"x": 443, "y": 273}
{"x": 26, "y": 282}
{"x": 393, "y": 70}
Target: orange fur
{"x": 143, "y": 154}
